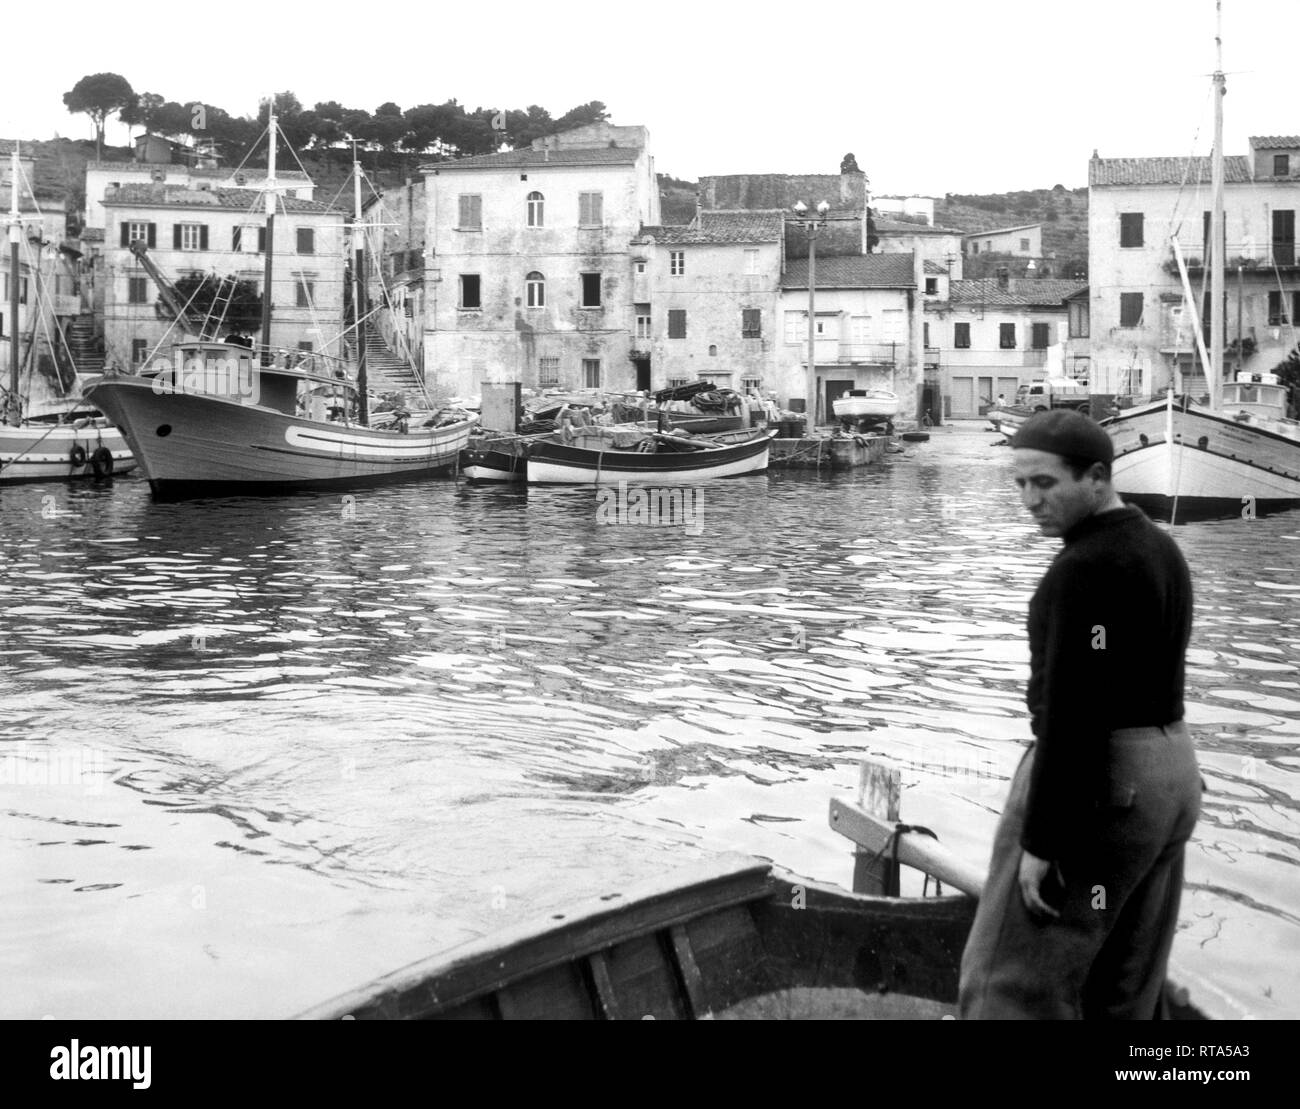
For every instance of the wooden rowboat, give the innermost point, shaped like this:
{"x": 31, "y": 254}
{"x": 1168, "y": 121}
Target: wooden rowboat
{"x": 733, "y": 938}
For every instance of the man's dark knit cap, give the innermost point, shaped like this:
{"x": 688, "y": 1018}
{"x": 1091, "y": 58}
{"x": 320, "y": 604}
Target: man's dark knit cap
{"x": 1065, "y": 432}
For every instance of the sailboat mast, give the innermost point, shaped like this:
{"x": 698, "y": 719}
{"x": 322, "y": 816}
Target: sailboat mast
{"x": 270, "y": 234}
{"x": 1216, "y": 247}
{"x": 358, "y": 292}
{"x": 13, "y": 412}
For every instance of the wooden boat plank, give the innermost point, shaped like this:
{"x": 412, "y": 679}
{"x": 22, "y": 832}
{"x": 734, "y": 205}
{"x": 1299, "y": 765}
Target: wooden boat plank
{"x": 605, "y": 993}
{"x": 645, "y": 980}
{"x": 557, "y": 993}
{"x": 692, "y": 980}
{"x": 486, "y": 965}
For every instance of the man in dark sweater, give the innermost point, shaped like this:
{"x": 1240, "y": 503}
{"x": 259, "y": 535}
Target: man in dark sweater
{"x": 1081, "y": 904}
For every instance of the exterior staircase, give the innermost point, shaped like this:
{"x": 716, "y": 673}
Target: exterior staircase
{"x": 87, "y": 356}
{"x": 386, "y": 372}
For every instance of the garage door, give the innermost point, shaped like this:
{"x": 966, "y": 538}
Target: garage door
{"x": 963, "y": 396}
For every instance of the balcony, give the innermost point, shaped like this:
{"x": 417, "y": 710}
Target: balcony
{"x": 861, "y": 354}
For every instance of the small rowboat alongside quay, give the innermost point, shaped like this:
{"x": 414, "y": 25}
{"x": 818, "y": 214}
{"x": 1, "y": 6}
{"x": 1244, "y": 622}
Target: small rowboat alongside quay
{"x": 671, "y": 459}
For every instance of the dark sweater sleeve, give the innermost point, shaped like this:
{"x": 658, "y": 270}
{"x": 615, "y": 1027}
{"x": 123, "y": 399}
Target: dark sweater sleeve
{"x": 1072, "y": 721}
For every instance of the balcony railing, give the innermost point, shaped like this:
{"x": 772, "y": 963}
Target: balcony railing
{"x": 866, "y": 353}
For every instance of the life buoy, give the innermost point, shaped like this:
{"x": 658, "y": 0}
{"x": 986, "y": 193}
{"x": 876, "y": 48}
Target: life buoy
{"x": 77, "y": 455}
{"x": 102, "y": 461}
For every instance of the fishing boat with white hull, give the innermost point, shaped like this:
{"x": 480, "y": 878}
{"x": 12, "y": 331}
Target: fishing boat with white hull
{"x": 63, "y": 445}
{"x": 668, "y": 459}
{"x": 1234, "y": 449}
{"x": 219, "y": 423}
{"x": 194, "y": 445}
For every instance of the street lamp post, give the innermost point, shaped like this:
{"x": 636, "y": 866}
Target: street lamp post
{"x": 812, "y": 223}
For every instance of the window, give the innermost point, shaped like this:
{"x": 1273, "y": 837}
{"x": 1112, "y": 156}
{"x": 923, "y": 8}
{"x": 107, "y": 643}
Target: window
{"x": 678, "y": 382}
{"x": 590, "y": 213}
{"x": 1079, "y": 319}
{"x": 751, "y": 323}
{"x": 305, "y": 346}
{"x": 893, "y": 325}
{"x": 248, "y": 239}
{"x": 189, "y": 236}
{"x": 796, "y": 326}
{"x": 751, "y": 261}
{"x": 859, "y": 330}
{"x": 751, "y": 384}
{"x": 676, "y": 262}
{"x": 1276, "y": 310}
{"x": 931, "y": 286}
{"x": 471, "y": 212}
{"x": 139, "y": 351}
{"x": 974, "y": 248}
{"x": 1007, "y": 336}
{"x": 535, "y": 290}
{"x": 1281, "y": 165}
{"x": 713, "y": 350}
{"x": 139, "y": 231}
{"x": 590, "y": 290}
{"x": 591, "y": 373}
{"x": 643, "y": 321}
{"x": 1024, "y": 245}
{"x": 548, "y": 371}
{"x": 306, "y": 291}
{"x": 961, "y": 336}
{"x": 1039, "y": 334}
{"x": 1130, "y": 229}
{"x": 1205, "y": 236}
{"x": 1284, "y": 237}
{"x": 677, "y": 323}
{"x": 306, "y": 240}
{"x": 137, "y": 290}
{"x": 536, "y": 210}
{"x": 1130, "y": 309}
{"x": 469, "y": 291}
{"x": 640, "y": 266}
{"x": 925, "y": 334}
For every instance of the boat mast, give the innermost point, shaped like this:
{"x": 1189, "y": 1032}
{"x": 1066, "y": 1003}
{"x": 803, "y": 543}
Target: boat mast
{"x": 13, "y": 407}
{"x": 1215, "y": 249}
{"x": 358, "y": 291}
{"x": 270, "y": 233}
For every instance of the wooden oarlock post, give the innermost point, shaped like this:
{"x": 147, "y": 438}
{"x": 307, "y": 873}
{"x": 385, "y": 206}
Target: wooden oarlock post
{"x": 872, "y": 825}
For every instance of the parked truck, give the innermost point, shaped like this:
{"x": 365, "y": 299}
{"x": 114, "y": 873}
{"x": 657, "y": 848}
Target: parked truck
{"x": 1054, "y": 392}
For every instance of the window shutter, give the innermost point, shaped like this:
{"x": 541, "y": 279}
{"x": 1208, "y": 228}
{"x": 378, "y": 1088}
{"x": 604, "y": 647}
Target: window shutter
{"x": 236, "y": 234}
{"x": 176, "y": 236}
{"x": 151, "y": 238}
{"x": 261, "y": 240}
{"x": 203, "y": 236}
{"x": 126, "y": 233}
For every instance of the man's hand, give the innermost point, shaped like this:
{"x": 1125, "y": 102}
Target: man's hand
{"x": 1033, "y": 872}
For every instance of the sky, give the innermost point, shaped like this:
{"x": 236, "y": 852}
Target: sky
{"x": 931, "y": 97}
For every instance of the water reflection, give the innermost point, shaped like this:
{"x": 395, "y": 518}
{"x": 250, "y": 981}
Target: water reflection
{"x": 328, "y": 745}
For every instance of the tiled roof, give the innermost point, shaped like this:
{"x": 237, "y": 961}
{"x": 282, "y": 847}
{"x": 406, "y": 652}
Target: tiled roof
{"x": 1000, "y": 230}
{"x": 221, "y": 172}
{"x": 142, "y": 195}
{"x": 1019, "y": 293}
{"x": 723, "y": 227}
{"x": 1164, "y": 171}
{"x": 903, "y": 227}
{"x": 857, "y": 271}
{"x": 92, "y": 234}
{"x": 934, "y": 268}
{"x": 1275, "y": 142}
{"x": 540, "y": 159}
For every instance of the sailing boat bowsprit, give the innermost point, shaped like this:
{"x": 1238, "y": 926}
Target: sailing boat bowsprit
{"x": 217, "y": 422}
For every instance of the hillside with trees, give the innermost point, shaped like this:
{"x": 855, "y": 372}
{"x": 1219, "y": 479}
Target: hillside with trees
{"x": 1062, "y": 212}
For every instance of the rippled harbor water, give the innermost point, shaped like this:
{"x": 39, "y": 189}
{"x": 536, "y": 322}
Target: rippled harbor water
{"x": 256, "y": 752}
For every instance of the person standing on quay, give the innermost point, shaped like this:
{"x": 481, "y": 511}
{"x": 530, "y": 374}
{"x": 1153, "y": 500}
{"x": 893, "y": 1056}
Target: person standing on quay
{"x": 1081, "y": 903}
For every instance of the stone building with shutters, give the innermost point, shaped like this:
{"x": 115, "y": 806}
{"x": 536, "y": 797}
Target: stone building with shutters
{"x": 530, "y": 266}
{"x": 218, "y": 231}
{"x": 1141, "y": 326}
{"x": 705, "y": 305}
{"x": 990, "y": 335}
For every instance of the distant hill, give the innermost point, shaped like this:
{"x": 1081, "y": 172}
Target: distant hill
{"x": 1062, "y": 212}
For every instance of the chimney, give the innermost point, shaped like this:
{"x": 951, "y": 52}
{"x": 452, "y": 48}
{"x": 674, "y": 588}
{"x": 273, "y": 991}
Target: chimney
{"x": 1004, "y": 277}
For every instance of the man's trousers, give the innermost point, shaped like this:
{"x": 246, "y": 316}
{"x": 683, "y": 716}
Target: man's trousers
{"x": 1122, "y": 873}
